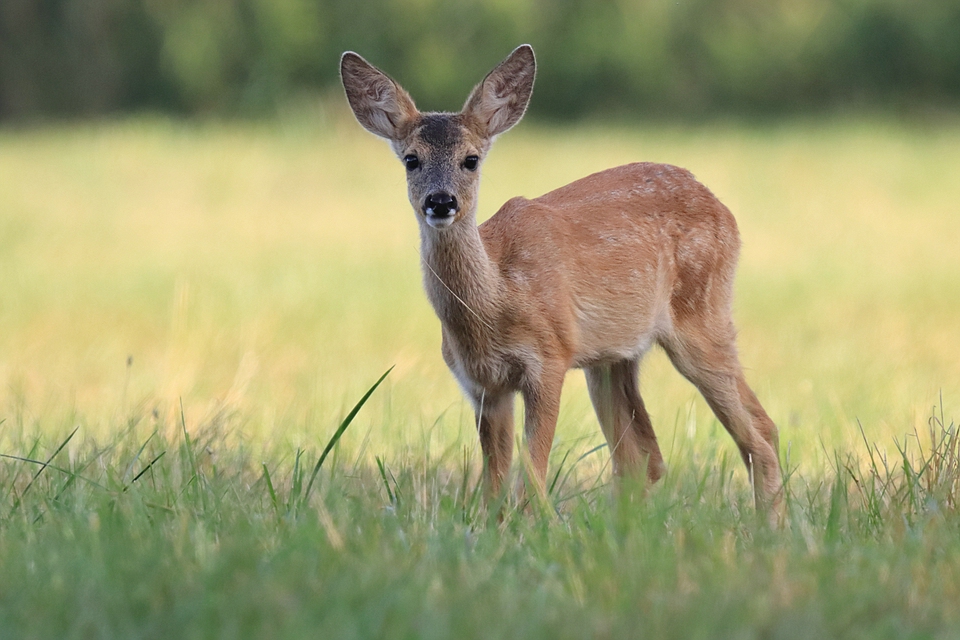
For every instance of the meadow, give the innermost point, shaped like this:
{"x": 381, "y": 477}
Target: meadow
{"x": 188, "y": 311}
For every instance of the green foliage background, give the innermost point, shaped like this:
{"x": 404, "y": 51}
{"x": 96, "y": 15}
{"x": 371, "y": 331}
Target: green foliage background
{"x": 691, "y": 58}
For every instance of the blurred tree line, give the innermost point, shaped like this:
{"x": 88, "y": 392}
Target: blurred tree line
{"x": 69, "y": 58}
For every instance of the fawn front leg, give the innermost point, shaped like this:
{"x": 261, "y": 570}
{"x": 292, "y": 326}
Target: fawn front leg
{"x": 494, "y": 414}
{"x": 541, "y": 402}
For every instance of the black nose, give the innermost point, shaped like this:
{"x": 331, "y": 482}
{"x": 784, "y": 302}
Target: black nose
{"x": 440, "y": 204}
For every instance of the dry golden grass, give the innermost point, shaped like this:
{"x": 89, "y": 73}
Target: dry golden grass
{"x": 269, "y": 273}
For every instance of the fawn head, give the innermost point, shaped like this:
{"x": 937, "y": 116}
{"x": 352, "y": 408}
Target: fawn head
{"x": 442, "y": 152}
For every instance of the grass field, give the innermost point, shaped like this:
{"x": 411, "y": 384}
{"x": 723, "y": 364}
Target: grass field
{"x": 188, "y": 312}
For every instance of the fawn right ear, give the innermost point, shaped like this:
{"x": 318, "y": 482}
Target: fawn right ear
{"x": 380, "y": 104}
{"x": 498, "y": 103}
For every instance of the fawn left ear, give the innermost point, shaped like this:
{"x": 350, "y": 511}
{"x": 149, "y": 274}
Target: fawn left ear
{"x": 378, "y": 102}
{"x": 499, "y": 102}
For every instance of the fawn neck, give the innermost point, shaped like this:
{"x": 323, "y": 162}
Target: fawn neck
{"x": 462, "y": 282}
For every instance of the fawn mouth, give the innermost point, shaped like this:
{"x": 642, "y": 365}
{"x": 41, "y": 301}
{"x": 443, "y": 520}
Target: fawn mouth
{"x": 440, "y": 220}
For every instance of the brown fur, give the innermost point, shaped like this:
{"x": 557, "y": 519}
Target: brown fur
{"x": 590, "y": 276}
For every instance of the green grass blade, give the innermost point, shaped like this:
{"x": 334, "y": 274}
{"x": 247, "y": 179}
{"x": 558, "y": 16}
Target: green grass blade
{"x": 556, "y": 476}
{"x": 129, "y": 468}
{"x": 570, "y": 470}
{"x": 188, "y": 446}
{"x": 148, "y": 467}
{"x": 43, "y": 465}
{"x": 296, "y": 482}
{"x": 48, "y": 465}
{"x": 386, "y": 483}
{"x": 270, "y": 490}
{"x": 340, "y": 430}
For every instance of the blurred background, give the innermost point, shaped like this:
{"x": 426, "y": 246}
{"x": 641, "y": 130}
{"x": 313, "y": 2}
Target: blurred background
{"x": 625, "y": 58}
{"x": 192, "y": 224}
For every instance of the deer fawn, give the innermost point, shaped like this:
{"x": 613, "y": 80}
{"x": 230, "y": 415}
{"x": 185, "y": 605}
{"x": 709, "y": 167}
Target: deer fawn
{"x": 590, "y": 275}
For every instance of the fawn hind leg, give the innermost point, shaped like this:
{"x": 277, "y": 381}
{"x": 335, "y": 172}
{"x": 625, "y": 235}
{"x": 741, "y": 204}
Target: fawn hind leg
{"x": 709, "y": 360}
{"x": 624, "y": 419}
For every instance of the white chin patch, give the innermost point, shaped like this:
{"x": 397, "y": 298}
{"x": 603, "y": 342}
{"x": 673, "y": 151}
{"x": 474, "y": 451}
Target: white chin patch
{"x": 440, "y": 223}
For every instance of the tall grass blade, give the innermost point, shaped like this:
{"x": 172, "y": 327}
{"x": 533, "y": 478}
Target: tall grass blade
{"x": 196, "y": 479}
{"x": 47, "y": 465}
{"x": 296, "y": 483}
{"x": 340, "y": 430}
{"x": 186, "y": 441}
{"x": 563, "y": 482}
{"x": 270, "y": 490}
{"x": 386, "y": 483}
{"x": 43, "y": 465}
{"x": 147, "y": 468}
{"x": 129, "y": 468}
{"x": 556, "y": 476}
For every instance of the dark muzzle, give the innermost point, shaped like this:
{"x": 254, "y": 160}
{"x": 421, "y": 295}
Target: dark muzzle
{"x": 440, "y": 205}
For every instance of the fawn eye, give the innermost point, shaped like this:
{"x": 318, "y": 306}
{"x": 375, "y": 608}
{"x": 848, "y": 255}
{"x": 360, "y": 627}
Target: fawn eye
{"x": 470, "y": 163}
{"x": 411, "y": 161}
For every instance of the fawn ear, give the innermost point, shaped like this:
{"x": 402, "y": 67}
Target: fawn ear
{"x": 380, "y": 104}
{"x": 499, "y": 102}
